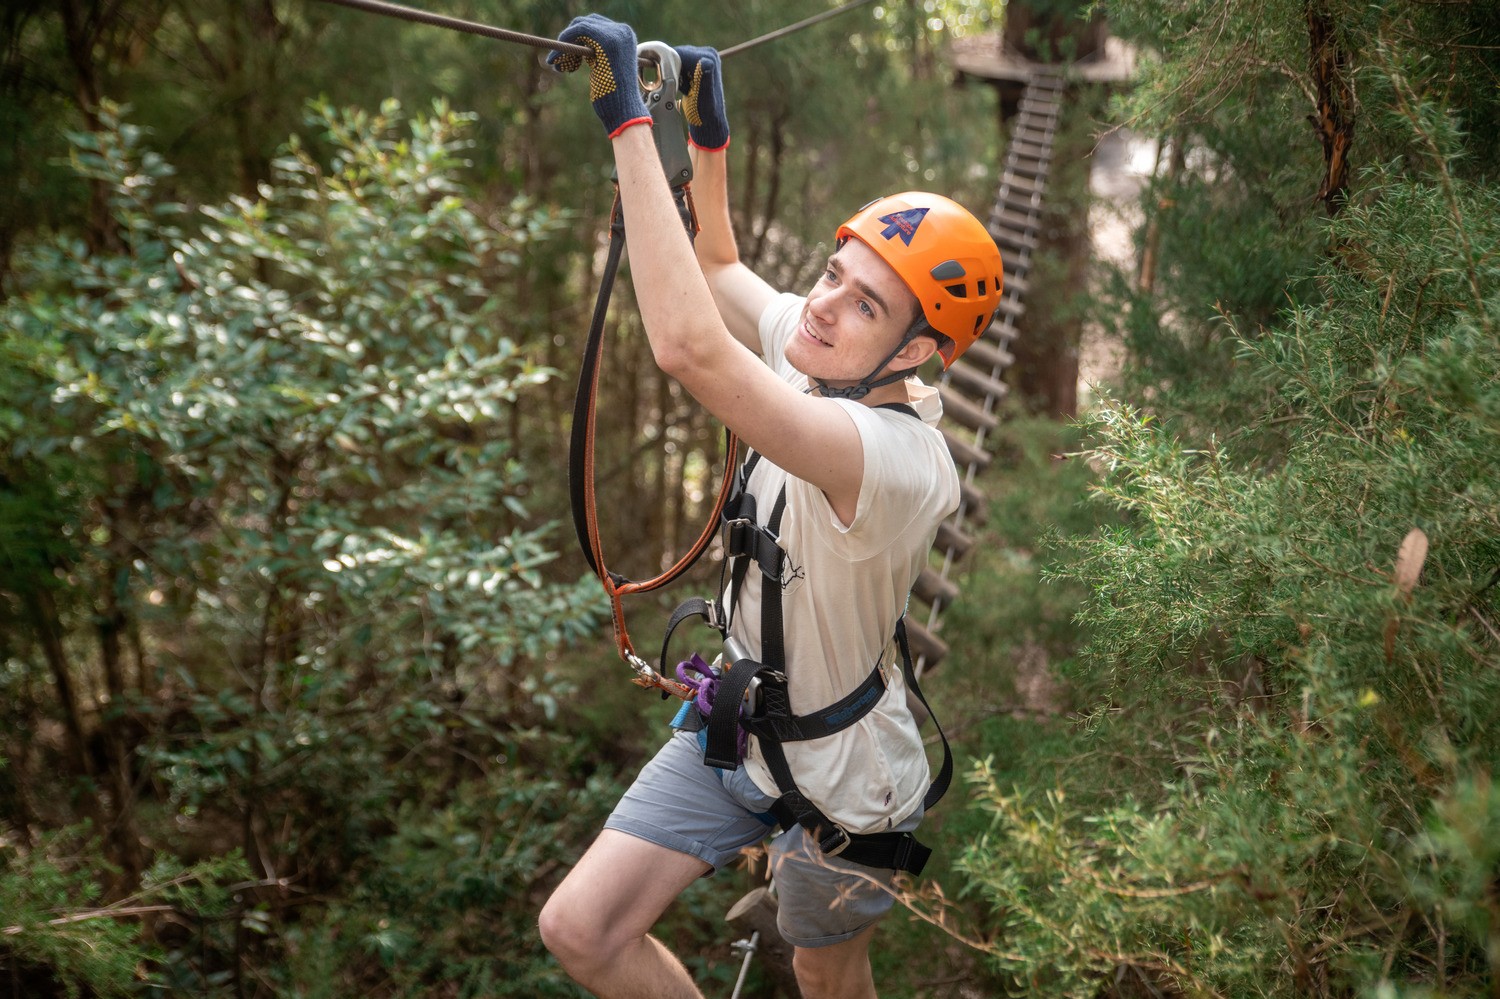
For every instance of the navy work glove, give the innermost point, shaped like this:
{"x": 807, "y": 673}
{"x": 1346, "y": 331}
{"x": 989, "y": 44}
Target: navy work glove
{"x": 613, "y": 87}
{"x": 702, "y": 87}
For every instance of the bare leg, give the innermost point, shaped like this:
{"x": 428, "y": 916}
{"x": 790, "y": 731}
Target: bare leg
{"x": 841, "y": 971}
{"x": 597, "y": 921}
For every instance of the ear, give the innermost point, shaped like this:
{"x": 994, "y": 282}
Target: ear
{"x": 916, "y": 352}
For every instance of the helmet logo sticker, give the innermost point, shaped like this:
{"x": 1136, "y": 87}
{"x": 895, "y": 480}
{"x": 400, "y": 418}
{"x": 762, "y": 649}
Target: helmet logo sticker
{"x": 903, "y": 224}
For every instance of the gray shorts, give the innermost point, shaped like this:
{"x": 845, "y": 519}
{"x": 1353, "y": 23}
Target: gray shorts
{"x": 680, "y": 804}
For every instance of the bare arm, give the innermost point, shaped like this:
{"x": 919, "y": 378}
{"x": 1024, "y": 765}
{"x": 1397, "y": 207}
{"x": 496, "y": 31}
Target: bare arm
{"x": 812, "y": 438}
{"x": 740, "y": 294}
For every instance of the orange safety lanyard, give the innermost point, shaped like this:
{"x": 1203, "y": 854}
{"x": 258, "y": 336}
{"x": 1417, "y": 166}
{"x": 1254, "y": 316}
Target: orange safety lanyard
{"x": 581, "y": 463}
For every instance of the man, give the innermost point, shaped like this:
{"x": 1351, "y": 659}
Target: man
{"x": 848, "y": 450}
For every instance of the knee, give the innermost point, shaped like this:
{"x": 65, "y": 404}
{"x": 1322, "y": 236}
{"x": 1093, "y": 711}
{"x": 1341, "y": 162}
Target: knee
{"x": 825, "y": 973}
{"x": 567, "y": 933}
{"x": 815, "y": 978}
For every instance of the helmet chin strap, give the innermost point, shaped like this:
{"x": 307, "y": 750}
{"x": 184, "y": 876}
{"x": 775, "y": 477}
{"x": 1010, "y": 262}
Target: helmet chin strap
{"x": 862, "y": 388}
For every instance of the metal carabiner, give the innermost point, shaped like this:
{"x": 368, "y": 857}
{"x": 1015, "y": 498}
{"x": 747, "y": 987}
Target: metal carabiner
{"x": 668, "y": 67}
{"x": 663, "y": 98}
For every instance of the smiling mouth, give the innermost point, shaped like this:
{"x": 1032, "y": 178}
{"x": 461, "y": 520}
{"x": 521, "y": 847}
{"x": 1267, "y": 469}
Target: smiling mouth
{"x": 807, "y": 328}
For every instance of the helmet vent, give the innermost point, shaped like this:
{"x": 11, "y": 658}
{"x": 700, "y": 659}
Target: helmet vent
{"x": 948, "y": 270}
{"x": 958, "y": 290}
{"x": 981, "y": 287}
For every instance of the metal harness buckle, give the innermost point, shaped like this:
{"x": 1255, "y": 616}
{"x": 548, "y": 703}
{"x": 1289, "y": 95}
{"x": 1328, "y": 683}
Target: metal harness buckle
{"x": 835, "y": 842}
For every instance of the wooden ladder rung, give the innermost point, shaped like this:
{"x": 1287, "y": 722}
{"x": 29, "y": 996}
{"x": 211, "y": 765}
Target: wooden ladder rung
{"x": 1037, "y": 151}
{"x": 1022, "y": 185}
{"x": 1027, "y": 131}
{"x": 1010, "y": 220}
{"x": 1019, "y": 203}
{"x": 932, "y": 588}
{"x": 987, "y": 354}
{"x": 1002, "y": 331}
{"x": 964, "y": 411}
{"x": 965, "y": 453}
{"x": 977, "y": 383}
{"x": 976, "y": 507}
{"x": 1017, "y": 241}
{"x": 953, "y": 541}
{"x": 1011, "y": 308}
{"x": 927, "y": 647}
{"x": 1026, "y": 166}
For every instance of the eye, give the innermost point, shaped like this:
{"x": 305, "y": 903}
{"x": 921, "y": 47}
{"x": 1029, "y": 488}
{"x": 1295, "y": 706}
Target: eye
{"x": 866, "y": 309}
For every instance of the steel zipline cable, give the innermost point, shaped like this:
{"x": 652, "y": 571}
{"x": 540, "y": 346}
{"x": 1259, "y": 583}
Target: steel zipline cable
{"x": 396, "y": 10}
{"x": 806, "y": 22}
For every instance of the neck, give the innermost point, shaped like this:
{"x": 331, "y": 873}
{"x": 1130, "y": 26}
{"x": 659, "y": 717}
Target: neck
{"x": 880, "y": 395}
{"x": 895, "y": 392}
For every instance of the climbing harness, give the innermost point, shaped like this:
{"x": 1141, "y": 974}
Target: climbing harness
{"x": 749, "y": 697}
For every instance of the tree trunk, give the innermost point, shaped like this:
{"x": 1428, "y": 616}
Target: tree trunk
{"x": 769, "y": 208}
{"x": 1334, "y": 119}
{"x": 82, "y": 26}
{"x": 48, "y": 628}
{"x": 112, "y": 625}
{"x": 1176, "y": 151}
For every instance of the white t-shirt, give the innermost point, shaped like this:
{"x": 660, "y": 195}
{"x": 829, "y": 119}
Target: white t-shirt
{"x": 843, "y": 589}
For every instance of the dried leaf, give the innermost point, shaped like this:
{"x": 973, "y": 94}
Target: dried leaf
{"x": 1410, "y": 559}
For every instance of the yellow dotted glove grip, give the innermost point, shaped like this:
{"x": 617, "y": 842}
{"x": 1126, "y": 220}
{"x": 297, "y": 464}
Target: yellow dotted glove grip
{"x": 690, "y": 102}
{"x": 601, "y": 76}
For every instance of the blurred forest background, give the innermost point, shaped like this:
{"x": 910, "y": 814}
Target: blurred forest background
{"x": 303, "y": 691}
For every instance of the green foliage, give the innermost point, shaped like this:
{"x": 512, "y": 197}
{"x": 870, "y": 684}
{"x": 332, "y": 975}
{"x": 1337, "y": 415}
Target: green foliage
{"x": 1018, "y": 606}
{"x": 99, "y": 954}
{"x": 1012, "y": 641}
{"x": 326, "y": 370}
{"x": 280, "y": 436}
{"x": 449, "y": 900}
{"x": 1279, "y": 781}
{"x": 97, "y": 950}
{"x": 1235, "y": 228}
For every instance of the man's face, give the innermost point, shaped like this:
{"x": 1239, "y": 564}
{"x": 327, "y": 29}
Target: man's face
{"x": 855, "y": 315}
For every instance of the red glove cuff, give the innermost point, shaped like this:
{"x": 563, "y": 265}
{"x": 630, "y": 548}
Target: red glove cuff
{"x": 643, "y": 120}
{"x": 708, "y": 149}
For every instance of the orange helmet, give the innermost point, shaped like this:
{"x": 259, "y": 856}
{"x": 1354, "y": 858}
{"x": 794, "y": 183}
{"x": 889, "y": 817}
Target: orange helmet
{"x": 943, "y": 254}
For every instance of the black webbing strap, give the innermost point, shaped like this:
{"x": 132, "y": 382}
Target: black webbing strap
{"x": 720, "y": 746}
{"x": 898, "y": 851}
{"x": 581, "y": 449}
{"x": 939, "y": 785}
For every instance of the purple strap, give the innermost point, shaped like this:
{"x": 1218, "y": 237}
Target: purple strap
{"x": 705, "y": 685}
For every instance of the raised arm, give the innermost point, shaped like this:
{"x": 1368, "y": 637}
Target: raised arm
{"x": 738, "y": 291}
{"x": 741, "y": 294}
{"x": 812, "y": 438}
